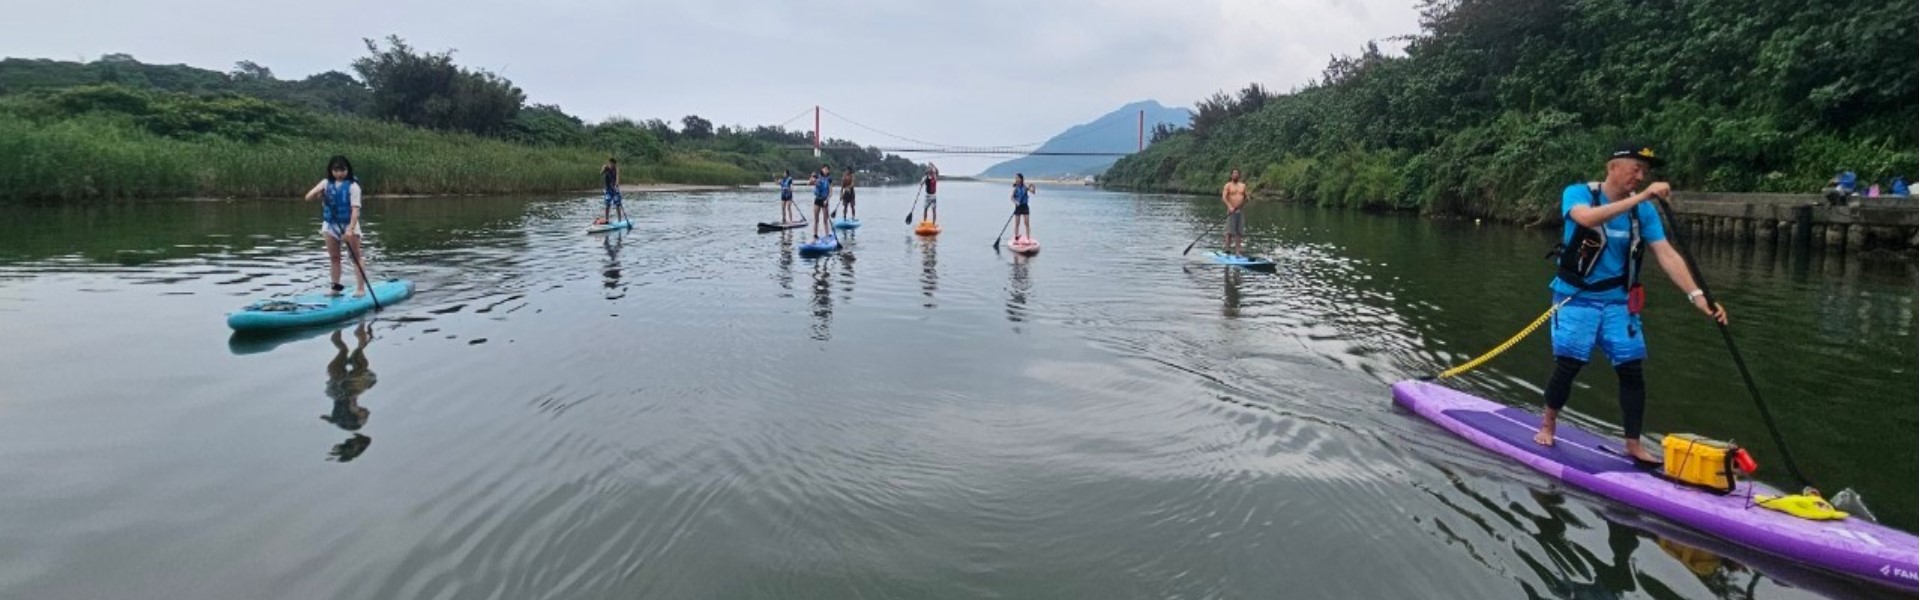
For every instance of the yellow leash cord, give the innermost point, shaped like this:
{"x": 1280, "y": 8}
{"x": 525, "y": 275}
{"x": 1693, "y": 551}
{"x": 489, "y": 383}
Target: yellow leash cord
{"x": 1482, "y": 359}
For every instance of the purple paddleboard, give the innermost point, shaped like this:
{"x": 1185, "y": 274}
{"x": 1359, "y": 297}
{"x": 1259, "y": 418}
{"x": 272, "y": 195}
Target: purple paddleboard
{"x": 1853, "y": 547}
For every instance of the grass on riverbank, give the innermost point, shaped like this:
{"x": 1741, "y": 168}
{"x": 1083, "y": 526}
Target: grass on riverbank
{"x": 107, "y": 155}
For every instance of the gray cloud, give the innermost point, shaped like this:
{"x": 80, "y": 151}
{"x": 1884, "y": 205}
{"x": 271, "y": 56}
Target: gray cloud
{"x": 975, "y": 72}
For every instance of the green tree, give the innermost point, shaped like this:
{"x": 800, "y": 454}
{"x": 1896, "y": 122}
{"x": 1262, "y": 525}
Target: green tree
{"x": 428, "y": 90}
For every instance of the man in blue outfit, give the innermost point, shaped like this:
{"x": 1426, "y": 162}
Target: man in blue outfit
{"x": 1597, "y": 286}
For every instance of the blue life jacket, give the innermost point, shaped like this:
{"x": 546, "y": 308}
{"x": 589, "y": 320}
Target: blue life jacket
{"x": 786, "y": 184}
{"x": 1020, "y": 193}
{"x": 822, "y": 187}
{"x": 336, "y": 203}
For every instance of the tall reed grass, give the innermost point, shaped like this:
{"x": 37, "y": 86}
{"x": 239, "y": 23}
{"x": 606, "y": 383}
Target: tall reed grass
{"x": 107, "y": 156}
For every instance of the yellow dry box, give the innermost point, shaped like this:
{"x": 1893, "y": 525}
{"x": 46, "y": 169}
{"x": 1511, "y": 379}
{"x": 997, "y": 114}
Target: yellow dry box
{"x": 1699, "y": 461}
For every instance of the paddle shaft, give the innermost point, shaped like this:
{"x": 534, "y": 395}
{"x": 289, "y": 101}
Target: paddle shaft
{"x": 1740, "y": 363}
{"x": 1003, "y": 232}
{"x": 359, "y": 268}
{"x": 1209, "y": 231}
{"x": 915, "y": 205}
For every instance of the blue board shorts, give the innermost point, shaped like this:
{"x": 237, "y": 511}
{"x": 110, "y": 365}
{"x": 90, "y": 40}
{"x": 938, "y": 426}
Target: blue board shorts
{"x": 1584, "y": 324}
{"x": 613, "y": 198}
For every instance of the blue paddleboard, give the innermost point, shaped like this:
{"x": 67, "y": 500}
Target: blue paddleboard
{"x": 315, "y": 309}
{"x": 820, "y": 246}
{"x": 1250, "y": 262}
{"x": 606, "y": 227}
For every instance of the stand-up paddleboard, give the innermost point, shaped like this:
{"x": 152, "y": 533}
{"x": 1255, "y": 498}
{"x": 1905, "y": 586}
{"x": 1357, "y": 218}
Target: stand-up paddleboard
{"x": 613, "y": 226}
{"x": 846, "y": 223}
{"x": 766, "y": 227}
{"x": 315, "y": 309}
{"x": 1024, "y": 245}
{"x": 820, "y": 246}
{"x": 927, "y": 228}
{"x": 1854, "y": 547}
{"x": 1250, "y": 262}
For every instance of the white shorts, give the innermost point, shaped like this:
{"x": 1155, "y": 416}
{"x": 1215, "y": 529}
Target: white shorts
{"x": 328, "y": 231}
{"x": 930, "y": 199}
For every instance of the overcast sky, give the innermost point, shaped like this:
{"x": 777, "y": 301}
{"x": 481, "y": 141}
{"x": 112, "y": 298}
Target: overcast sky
{"x": 960, "y": 72}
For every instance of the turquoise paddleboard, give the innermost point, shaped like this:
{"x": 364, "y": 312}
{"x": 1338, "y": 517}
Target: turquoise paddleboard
{"x": 1250, "y": 262}
{"x": 604, "y": 227}
{"x": 315, "y": 309}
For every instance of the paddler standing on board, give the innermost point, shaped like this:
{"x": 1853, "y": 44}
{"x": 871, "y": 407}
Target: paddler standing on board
{"x": 787, "y": 212}
{"x": 822, "y": 187}
{"x": 931, "y": 213}
{"x": 1234, "y": 195}
{"x": 1598, "y": 286}
{"x": 610, "y": 178}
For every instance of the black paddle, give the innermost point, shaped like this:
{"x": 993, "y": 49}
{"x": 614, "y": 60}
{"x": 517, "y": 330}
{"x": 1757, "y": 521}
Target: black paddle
{"x": 1003, "y": 232}
{"x": 361, "y": 268}
{"x": 1204, "y": 234}
{"x": 916, "y": 204}
{"x": 1666, "y": 217}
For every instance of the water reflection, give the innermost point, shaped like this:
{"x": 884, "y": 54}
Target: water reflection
{"x": 1230, "y": 297}
{"x": 929, "y": 273}
{"x": 1018, "y": 286}
{"x": 349, "y": 374}
{"x": 783, "y": 262}
{"x": 1575, "y": 570}
{"x": 822, "y": 300}
{"x": 846, "y": 259}
{"x": 611, "y": 269}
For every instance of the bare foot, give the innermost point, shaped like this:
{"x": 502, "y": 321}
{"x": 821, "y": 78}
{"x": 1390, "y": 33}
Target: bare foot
{"x": 1639, "y": 452}
{"x": 1548, "y": 420}
{"x": 359, "y": 291}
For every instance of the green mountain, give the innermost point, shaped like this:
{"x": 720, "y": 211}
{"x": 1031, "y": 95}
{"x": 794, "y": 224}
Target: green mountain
{"x": 1117, "y": 131}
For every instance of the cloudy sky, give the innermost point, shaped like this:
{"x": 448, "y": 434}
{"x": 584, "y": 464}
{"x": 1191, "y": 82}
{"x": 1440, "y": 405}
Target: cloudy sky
{"x": 959, "y": 72}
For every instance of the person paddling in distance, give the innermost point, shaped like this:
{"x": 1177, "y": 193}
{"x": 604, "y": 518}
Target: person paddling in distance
{"x": 339, "y": 196}
{"x": 1234, "y": 195}
{"x": 822, "y": 187}
{"x": 610, "y": 177}
{"x": 1021, "y": 193}
{"x": 931, "y": 212}
{"x": 1598, "y": 289}
{"x": 846, "y": 194}
{"x": 787, "y": 210}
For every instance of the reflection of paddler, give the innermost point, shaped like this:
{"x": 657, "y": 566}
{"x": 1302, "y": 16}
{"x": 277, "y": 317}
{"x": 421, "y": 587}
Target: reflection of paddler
{"x": 1230, "y": 297}
{"x": 349, "y": 376}
{"x": 612, "y": 244}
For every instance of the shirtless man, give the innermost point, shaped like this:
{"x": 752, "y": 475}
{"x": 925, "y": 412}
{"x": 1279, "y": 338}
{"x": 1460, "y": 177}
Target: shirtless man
{"x": 1234, "y": 194}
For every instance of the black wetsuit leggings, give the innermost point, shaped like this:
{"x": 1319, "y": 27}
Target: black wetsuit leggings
{"x": 1633, "y": 390}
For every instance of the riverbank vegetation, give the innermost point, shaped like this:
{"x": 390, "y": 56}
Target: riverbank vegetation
{"x": 1496, "y": 104}
{"x": 413, "y": 122}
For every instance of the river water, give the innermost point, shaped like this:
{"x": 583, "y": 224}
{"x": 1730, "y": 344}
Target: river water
{"x": 692, "y": 410}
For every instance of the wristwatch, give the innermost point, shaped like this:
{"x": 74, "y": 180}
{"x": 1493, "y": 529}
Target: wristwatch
{"x": 1694, "y": 294}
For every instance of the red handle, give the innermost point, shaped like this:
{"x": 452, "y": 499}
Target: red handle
{"x": 1745, "y": 461}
